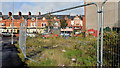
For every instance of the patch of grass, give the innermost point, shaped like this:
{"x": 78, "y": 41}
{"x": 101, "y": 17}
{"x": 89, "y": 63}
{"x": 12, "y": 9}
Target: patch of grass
{"x": 82, "y": 49}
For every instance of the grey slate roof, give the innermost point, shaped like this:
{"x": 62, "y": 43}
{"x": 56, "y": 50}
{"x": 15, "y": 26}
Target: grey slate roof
{"x": 5, "y": 17}
{"x": 17, "y": 17}
{"x": 41, "y": 16}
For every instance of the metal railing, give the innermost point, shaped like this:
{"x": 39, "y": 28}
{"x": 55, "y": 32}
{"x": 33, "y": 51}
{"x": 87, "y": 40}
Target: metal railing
{"x": 23, "y": 30}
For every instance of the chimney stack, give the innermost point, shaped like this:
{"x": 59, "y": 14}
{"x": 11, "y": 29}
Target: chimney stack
{"x": 29, "y": 13}
{"x": 0, "y": 13}
{"x": 39, "y": 13}
{"x": 9, "y": 14}
{"x": 19, "y": 13}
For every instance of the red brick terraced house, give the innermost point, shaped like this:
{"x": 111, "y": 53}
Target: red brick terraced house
{"x": 42, "y": 21}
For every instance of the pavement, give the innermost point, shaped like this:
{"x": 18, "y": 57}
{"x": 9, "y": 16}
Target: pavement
{"x": 8, "y": 53}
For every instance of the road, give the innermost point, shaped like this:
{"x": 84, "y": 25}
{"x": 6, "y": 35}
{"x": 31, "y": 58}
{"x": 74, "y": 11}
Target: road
{"x": 8, "y": 53}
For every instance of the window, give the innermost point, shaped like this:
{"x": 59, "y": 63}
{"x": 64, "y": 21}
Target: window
{"x": 31, "y": 24}
{"x": 32, "y": 18}
{"x": 13, "y": 24}
{"x": 54, "y": 18}
{"x": 81, "y": 23}
{"x": 2, "y": 24}
{"x": 10, "y": 24}
{"x": 58, "y": 17}
{"x": 42, "y": 24}
{"x": 43, "y": 18}
{"x": 45, "y": 24}
{"x": 34, "y": 24}
{"x": 56, "y": 23}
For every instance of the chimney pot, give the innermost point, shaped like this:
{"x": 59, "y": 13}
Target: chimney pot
{"x": 0, "y": 13}
{"x": 29, "y": 13}
{"x": 19, "y": 13}
{"x": 39, "y": 13}
{"x": 9, "y": 14}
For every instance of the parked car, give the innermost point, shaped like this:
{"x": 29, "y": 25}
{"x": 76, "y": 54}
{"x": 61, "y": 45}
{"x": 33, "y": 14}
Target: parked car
{"x": 61, "y": 34}
{"x": 51, "y": 35}
{"x": 31, "y": 34}
{"x": 66, "y": 34}
{"x": 78, "y": 35}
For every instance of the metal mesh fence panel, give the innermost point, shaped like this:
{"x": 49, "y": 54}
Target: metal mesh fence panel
{"x": 56, "y": 47}
{"x": 111, "y": 47}
{"x": 22, "y": 38}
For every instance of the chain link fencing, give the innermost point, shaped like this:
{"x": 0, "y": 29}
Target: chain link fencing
{"x": 22, "y": 38}
{"x": 41, "y": 50}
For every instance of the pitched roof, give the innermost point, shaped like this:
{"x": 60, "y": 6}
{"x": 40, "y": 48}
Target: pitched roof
{"x": 17, "y": 17}
{"x": 5, "y": 17}
{"x": 41, "y": 16}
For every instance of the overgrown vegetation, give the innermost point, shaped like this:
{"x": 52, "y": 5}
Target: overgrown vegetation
{"x": 111, "y": 48}
{"x": 60, "y": 51}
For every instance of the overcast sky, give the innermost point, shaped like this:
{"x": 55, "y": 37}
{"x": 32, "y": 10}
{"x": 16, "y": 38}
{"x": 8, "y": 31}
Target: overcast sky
{"x": 43, "y": 7}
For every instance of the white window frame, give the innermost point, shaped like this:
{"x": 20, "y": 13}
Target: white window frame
{"x": 43, "y": 18}
{"x": 34, "y": 24}
{"x": 0, "y": 19}
{"x": 10, "y": 24}
{"x": 45, "y": 24}
{"x": 42, "y": 25}
{"x": 81, "y": 23}
{"x": 31, "y": 24}
{"x": 2, "y": 24}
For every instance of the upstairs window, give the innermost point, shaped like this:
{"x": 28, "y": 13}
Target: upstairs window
{"x": 45, "y": 24}
{"x": 2, "y": 24}
{"x": 10, "y": 24}
{"x": 54, "y": 18}
{"x": 34, "y": 24}
{"x": 42, "y": 24}
{"x": 33, "y": 19}
{"x": 31, "y": 24}
{"x": 43, "y": 18}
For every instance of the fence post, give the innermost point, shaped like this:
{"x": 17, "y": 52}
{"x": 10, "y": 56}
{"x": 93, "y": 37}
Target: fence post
{"x": 98, "y": 14}
{"x": 25, "y": 36}
{"x": 102, "y": 32}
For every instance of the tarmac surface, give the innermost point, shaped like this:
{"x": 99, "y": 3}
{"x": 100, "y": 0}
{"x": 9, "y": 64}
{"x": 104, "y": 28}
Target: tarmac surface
{"x": 8, "y": 54}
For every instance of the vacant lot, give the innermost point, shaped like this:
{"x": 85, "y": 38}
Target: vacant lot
{"x": 59, "y": 51}
{"x": 73, "y": 51}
